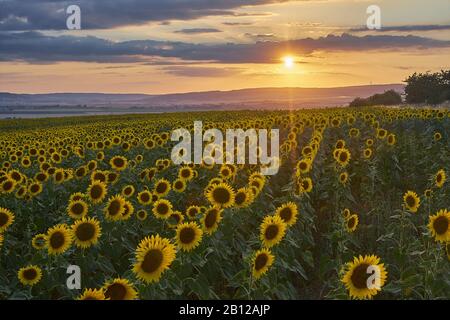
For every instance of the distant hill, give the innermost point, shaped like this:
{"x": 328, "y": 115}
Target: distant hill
{"x": 259, "y": 97}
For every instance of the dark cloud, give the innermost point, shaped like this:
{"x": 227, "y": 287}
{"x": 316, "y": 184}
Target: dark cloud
{"x": 16, "y": 15}
{"x": 258, "y": 36}
{"x": 37, "y": 48}
{"x": 198, "y": 30}
{"x": 407, "y": 28}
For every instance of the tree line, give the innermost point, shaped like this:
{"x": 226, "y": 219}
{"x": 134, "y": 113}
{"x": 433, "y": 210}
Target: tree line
{"x": 428, "y": 88}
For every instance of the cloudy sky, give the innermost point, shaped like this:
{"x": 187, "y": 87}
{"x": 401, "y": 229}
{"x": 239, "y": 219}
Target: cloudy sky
{"x": 164, "y": 46}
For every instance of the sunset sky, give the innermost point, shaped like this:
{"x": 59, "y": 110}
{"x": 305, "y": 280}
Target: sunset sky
{"x": 166, "y": 46}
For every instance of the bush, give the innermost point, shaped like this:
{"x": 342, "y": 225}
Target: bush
{"x": 432, "y": 88}
{"x": 387, "y": 98}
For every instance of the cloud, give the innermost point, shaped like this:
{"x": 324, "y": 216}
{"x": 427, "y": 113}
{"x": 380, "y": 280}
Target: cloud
{"x": 36, "y": 47}
{"x": 260, "y": 36}
{"x": 188, "y": 71}
{"x": 21, "y": 15}
{"x": 198, "y": 30}
{"x": 237, "y": 23}
{"x": 407, "y": 28}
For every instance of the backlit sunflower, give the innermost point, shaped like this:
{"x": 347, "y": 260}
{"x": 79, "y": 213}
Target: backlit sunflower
{"x": 261, "y": 262}
{"x": 288, "y": 212}
{"x": 154, "y": 255}
{"x": 162, "y": 209}
{"x": 351, "y": 223}
{"x": 411, "y": 201}
{"x": 189, "y": 236}
{"x": 6, "y": 219}
{"x": 364, "y": 277}
{"x": 440, "y": 178}
{"x": 210, "y": 220}
{"x": 77, "y": 209}
{"x": 162, "y": 187}
{"x": 120, "y": 289}
{"x": 86, "y": 232}
{"x": 30, "y": 275}
{"x": 59, "y": 239}
{"x": 272, "y": 231}
{"x": 92, "y": 294}
{"x": 39, "y": 241}
{"x": 97, "y": 191}
{"x": 115, "y": 208}
{"x": 439, "y": 226}
{"x": 118, "y": 163}
{"x": 221, "y": 195}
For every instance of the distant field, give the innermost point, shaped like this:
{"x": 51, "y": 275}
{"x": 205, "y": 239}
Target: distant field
{"x": 356, "y": 188}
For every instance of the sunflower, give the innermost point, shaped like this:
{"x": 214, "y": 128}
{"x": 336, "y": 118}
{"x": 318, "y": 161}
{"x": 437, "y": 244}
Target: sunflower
{"x": 428, "y": 193}
{"x": 76, "y": 196}
{"x": 77, "y": 209}
{"x": 186, "y": 173}
{"x": 179, "y": 185}
{"x": 243, "y": 197}
{"x": 343, "y": 177}
{"x": 59, "y": 239}
{"x": 162, "y": 209}
{"x": 210, "y": 220}
{"x": 359, "y": 273}
{"x": 6, "y": 219}
{"x": 92, "y": 294}
{"x": 38, "y": 241}
{"x": 7, "y": 186}
{"x": 120, "y": 289}
{"x": 162, "y": 187}
{"x": 221, "y": 195}
{"x": 141, "y": 215}
{"x": 391, "y": 139}
{"x": 128, "y": 191}
{"x": 97, "y": 191}
{"x": 272, "y": 230}
{"x": 305, "y": 185}
{"x": 367, "y": 153}
{"x": 30, "y": 275}
{"x": 118, "y": 163}
{"x": 154, "y": 255}
{"x": 261, "y": 262}
{"x": 440, "y": 178}
{"x": 175, "y": 219}
{"x": 86, "y": 232}
{"x": 411, "y": 201}
{"x": 115, "y": 208}
{"x": 144, "y": 197}
{"x": 189, "y": 236}
{"x": 346, "y": 213}
{"x": 439, "y": 225}
{"x": 35, "y": 188}
{"x": 381, "y": 133}
{"x": 343, "y": 157}
{"x": 192, "y": 212}
{"x": 303, "y": 166}
{"x": 288, "y": 212}
{"x": 352, "y": 222}
{"x": 437, "y": 136}
{"x": 128, "y": 212}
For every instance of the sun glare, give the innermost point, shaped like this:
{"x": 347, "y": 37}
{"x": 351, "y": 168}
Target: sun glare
{"x": 288, "y": 62}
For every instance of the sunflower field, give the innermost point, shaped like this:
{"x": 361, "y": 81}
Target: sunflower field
{"x": 355, "y": 188}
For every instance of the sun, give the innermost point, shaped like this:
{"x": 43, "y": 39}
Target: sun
{"x": 288, "y": 62}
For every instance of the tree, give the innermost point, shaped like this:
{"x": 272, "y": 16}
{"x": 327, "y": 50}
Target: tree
{"x": 432, "y": 88}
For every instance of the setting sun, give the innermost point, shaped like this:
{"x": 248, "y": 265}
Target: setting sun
{"x": 288, "y": 62}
